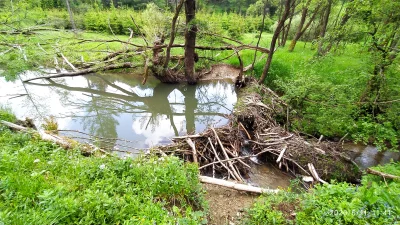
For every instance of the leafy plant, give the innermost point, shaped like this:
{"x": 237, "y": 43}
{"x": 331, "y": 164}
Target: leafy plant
{"x": 375, "y": 201}
{"x": 41, "y": 183}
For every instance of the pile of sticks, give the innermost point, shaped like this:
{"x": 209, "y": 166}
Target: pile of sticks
{"x": 216, "y": 151}
{"x": 254, "y": 133}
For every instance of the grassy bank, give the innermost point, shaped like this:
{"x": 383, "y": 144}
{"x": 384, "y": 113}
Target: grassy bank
{"x": 41, "y": 183}
{"x": 324, "y": 92}
{"x": 375, "y": 201}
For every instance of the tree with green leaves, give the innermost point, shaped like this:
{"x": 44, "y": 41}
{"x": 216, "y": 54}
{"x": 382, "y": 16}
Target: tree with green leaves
{"x": 382, "y": 24}
{"x": 310, "y": 9}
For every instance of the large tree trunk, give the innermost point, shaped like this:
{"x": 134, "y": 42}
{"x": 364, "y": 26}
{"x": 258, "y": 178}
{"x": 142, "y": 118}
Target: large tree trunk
{"x": 190, "y": 41}
{"x": 288, "y": 4}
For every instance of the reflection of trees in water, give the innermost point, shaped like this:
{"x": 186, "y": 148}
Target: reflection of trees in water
{"x": 101, "y": 121}
{"x": 104, "y": 101}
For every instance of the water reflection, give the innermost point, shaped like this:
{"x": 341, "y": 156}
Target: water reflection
{"x": 117, "y": 107}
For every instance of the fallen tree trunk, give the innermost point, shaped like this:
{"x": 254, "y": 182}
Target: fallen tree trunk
{"x": 47, "y": 137}
{"x": 85, "y": 71}
{"x": 236, "y": 186}
{"x": 199, "y": 47}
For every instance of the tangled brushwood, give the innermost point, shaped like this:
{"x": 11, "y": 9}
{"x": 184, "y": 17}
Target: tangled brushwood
{"x": 254, "y": 134}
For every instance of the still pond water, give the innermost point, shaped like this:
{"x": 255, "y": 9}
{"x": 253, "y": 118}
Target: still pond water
{"x": 117, "y": 106}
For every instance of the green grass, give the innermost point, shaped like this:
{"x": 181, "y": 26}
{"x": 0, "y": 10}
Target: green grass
{"x": 376, "y": 201}
{"x": 41, "y": 183}
{"x": 324, "y": 92}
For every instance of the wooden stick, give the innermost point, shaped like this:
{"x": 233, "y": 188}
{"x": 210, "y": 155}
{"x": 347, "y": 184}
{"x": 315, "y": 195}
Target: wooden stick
{"x": 314, "y": 173}
{"x": 248, "y": 135}
{"x": 237, "y": 158}
{"x": 236, "y": 186}
{"x": 193, "y": 146}
{"x": 69, "y": 64}
{"x": 384, "y": 175}
{"x": 188, "y": 136}
{"x": 281, "y": 154}
{"x": 320, "y": 139}
{"x": 219, "y": 160}
{"x": 237, "y": 176}
{"x": 294, "y": 162}
{"x": 47, "y": 137}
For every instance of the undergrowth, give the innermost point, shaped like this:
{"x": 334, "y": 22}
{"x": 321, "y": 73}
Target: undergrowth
{"x": 41, "y": 183}
{"x": 375, "y": 201}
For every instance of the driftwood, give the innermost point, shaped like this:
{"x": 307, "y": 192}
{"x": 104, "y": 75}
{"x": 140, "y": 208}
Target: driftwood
{"x": 191, "y": 144}
{"x": 45, "y": 136}
{"x": 315, "y": 174}
{"x": 236, "y": 186}
{"x": 384, "y": 175}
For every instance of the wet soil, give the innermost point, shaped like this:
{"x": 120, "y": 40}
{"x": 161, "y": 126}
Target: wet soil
{"x": 220, "y": 72}
{"x": 227, "y": 206}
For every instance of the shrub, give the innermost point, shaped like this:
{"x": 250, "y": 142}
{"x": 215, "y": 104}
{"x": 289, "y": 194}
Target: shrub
{"x": 6, "y": 114}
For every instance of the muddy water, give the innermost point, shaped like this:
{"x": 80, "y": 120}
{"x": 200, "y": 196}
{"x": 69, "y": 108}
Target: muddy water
{"x": 366, "y": 155}
{"x": 117, "y": 108}
{"x": 266, "y": 175}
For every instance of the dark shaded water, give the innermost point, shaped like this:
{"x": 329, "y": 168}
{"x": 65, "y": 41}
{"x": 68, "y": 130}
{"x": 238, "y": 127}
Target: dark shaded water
{"x": 366, "y": 155}
{"x": 116, "y": 107}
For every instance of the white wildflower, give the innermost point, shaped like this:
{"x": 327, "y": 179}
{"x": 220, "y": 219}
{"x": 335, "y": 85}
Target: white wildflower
{"x": 50, "y": 162}
{"x": 36, "y": 161}
{"x": 102, "y": 166}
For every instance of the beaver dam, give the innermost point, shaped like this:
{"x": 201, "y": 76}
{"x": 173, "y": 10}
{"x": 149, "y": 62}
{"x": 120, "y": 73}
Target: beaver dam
{"x": 254, "y": 134}
{"x": 197, "y": 123}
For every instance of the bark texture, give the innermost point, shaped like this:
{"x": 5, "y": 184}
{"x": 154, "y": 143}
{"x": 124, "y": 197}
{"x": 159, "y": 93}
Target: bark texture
{"x": 190, "y": 41}
{"x": 275, "y": 37}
